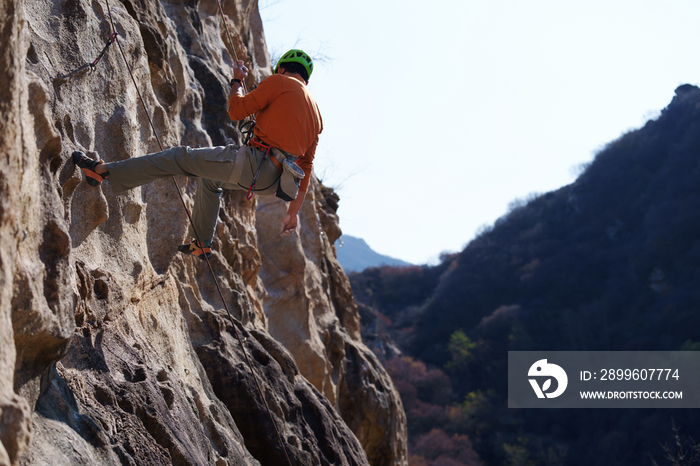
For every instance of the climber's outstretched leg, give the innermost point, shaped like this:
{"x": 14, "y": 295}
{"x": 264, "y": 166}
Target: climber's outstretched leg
{"x": 213, "y": 163}
{"x": 213, "y": 167}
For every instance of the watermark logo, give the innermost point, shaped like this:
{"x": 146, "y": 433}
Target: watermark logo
{"x": 603, "y": 379}
{"x": 542, "y": 369}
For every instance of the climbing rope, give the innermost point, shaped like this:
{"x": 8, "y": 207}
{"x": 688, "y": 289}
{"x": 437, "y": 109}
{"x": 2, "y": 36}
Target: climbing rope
{"x": 114, "y": 38}
{"x": 246, "y": 128}
{"x": 230, "y": 42}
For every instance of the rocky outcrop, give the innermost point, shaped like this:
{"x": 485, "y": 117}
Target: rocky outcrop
{"x": 14, "y": 410}
{"x": 116, "y": 350}
{"x": 312, "y": 312}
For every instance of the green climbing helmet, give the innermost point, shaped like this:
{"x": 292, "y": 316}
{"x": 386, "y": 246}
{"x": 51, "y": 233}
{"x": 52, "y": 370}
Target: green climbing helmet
{"x": 296, "y": 56}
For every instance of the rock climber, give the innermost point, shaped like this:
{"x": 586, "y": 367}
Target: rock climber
{"x": 278, "y": 159}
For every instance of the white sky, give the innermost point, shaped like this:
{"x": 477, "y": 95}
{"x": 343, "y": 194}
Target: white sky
{"x": 439, "y": 113}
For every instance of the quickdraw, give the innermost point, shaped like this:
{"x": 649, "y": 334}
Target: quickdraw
{"x": 110, "y": 41}
{"x": 247, "y": 129}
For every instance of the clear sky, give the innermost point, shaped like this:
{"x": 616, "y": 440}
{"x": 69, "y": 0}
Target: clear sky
{"x": 440, "y": 113}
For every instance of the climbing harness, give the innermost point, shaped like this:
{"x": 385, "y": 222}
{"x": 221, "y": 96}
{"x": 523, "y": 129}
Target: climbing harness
{"x": 114, "y": 37}
{"x": 256, "y": 142}
{"x": 289, "y": 174}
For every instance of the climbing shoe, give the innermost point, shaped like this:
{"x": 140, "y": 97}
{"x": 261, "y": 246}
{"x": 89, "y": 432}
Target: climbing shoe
{"x": 88, "y": 165}
{"x": 194, "y": 249}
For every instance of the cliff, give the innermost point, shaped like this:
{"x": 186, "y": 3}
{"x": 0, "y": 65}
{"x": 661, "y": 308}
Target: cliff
{"x": 115, "y": 348}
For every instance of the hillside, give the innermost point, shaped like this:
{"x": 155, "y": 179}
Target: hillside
{"x": 355, "y": 255}
{"x": 609, "y": 262}
{"x": 116, "y": 349}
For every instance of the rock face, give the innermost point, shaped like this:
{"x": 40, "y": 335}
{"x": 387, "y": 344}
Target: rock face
{"x": 320, "y": 324}
{"x": 14, "y": 410}
{"x": 116, "y": 350}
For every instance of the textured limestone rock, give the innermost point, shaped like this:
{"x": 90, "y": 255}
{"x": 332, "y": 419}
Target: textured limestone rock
{"x": 311, "y": 431}
{"x": 14, "y": 410}
{"x": 116, "y": 350}
{"x": 311, "y": 311}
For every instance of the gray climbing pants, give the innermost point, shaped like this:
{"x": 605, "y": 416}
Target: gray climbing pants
{"x": 216, "y": 168}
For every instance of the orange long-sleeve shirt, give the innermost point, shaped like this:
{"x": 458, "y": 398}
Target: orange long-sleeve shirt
{"x": 287, "y": 117}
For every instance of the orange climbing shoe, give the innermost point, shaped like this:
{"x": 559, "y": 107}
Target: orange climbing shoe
{"x": 193, "y": 249}
{"x": 88, "y": 165}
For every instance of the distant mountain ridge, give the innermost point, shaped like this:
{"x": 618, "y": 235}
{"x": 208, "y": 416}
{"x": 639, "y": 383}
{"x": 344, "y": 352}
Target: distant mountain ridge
{"x": 355, "y": 255}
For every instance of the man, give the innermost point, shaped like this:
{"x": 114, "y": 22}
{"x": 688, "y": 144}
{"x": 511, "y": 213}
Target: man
{"x": 288, "y": 124}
